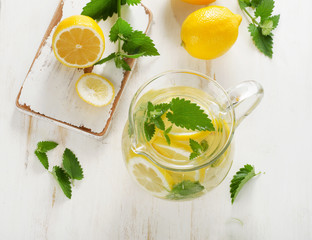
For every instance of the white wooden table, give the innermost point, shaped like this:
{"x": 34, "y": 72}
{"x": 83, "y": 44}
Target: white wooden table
{"x": 107, "y": 204}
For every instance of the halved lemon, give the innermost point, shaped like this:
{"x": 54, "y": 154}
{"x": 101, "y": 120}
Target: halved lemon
{"x": 78, "y": 42}
{"x": 95, "y": 89}
{"x": 149, "y": 176}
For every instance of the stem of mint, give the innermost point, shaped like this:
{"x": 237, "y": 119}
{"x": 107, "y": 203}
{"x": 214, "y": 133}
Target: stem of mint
{"x": 119, "y": 15}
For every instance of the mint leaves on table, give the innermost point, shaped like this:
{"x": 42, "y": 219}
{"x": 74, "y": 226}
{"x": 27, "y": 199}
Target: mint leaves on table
{"x": 185, "y": 189}
{"x": 180, "y": 112}
{"x": 63, "y": 180}
{"x": 41, "y": 152}
{"x": 263, "y": 23}
{"x": 131, "y": 43}
{"x": 71, "y": 166}
{"x": 240, "y": 178}
{"x": 197, "y": 148}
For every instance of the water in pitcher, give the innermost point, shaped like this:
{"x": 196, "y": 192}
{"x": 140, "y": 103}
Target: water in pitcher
{"x": 165, "y": 167}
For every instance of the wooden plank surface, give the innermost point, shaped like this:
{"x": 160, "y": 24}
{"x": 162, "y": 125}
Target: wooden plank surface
{"x": 107, "y": 204}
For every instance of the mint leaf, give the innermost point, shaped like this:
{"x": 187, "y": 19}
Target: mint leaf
{"x": 255, "y": 3}
{"x": 166, "y": 132}
{"x": 266, "y": 27}
{"x": 159, "y": 123}
{"x": 43, "y": 158}
{"x": 244, "y": 3}
{"x": 149, "y": 130}
{"x": 133, "y": 2}
{"x": 240, "y": 178}
{"x": 185, "y": 189}
{"x": 133, "y": 55}
{"x": 108, "y": 58}
{"x": 275, "y": 20}
{"x": 204, "y": 145}
{"x": 263, "y": 43}
{"x": 138, "y": 42}
{"x": 72, "y": 165}
{"x": 46, "y": 146}
{"x": 120, "y": 29}
{"x": 264, "y": 9}
{"x": 121, "y": 63}
{"x": 188, "y": 115}
{"x": 197, "y": 148}
{"x": 101, "y": 9}
{"x": 63, "y": 179}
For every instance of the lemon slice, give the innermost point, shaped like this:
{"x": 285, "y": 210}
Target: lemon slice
{"x": 78, "y": 42}
{"x": 95, "y": 89}
{"x": 149, "y": 176}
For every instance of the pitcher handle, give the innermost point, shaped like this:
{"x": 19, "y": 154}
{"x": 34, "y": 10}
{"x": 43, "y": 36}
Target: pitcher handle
{"x": 245, "y": 97}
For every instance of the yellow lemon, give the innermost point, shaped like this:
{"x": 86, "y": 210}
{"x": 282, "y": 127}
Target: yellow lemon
{"x": 95, "y": 89}
{"x": 210, "y": 32}
{"x": 199, "y": 2}
{"x": 78, "y": 42}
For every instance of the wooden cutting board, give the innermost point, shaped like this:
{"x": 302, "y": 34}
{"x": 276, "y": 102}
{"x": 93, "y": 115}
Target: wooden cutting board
{"x": 48, "y": 90}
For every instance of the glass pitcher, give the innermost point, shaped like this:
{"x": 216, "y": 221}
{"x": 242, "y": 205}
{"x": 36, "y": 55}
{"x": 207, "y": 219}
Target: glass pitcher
{"x": 162, "y": 159}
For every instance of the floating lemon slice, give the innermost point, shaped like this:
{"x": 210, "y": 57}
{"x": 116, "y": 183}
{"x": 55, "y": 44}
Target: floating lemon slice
{"x": 95, "y": 89}
{"x": 78, "y": 42}
{"x": 149, "y": 176}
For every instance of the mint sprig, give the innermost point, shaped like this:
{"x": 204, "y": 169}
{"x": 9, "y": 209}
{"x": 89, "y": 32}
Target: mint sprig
{"x": 131, "y": 43}
{"x": 263, "y": 23}
{"x": 185, "y": 189}
{"x": 180, "y": 112}
{"x": 240, "y": 178}
{"x": 72, "y": 168}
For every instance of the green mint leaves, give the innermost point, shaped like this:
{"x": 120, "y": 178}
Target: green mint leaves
{"x": 197, "y": 148}
{"x": 41, "y": 151}
{"x": 63, "y": 180}
{"x": 263, "y": 23}
{"x": 72, "y": 168}
{"x": 131, "y": 43}
{"x": 185, "y": 189}
{"x": 72, "y": 165}
{"x": 240, "y": 178}
{"x": 135, "y": 44}
{"x": 180, "y": 112}
{"x": 102, "y": 9}
{"x": 188, "y": 115}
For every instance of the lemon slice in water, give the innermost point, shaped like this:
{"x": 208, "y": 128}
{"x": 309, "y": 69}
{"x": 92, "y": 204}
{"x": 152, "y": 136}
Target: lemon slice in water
{"x": 149, "y": 176}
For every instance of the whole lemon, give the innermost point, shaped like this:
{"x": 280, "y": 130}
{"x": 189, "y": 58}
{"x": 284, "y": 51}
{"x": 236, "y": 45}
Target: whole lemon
{"x": 210, "y": 32}
{"x": 199, "y": 2}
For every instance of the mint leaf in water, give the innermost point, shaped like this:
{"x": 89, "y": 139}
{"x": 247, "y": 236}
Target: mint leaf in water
{"x": 240, "y": 178}
{"x": 188, "y": 115}
{"x": 185, "y": 189}
{"x": 197, "y": 148}
{"x": 63, "y": 179}
{"x": 72, "y": 165}
{"x": 149, "y": 130}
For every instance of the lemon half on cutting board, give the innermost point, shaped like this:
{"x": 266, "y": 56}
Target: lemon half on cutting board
{"x": 95, "y": 89}
{"x": 78, "y": 42}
